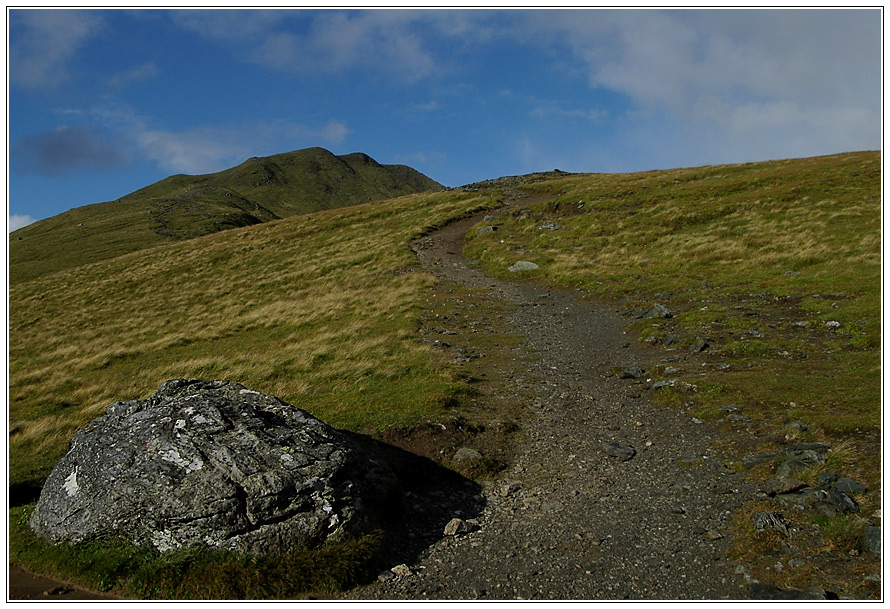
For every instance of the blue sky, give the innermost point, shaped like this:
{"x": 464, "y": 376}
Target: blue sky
{"x": 103, "y": 102}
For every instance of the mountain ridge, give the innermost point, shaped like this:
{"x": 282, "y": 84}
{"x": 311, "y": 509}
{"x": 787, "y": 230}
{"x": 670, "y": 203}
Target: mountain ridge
{"x": 182, "y": 206}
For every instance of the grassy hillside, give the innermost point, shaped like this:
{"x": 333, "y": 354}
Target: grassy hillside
{"x": 182, "y": 207}
{"x": 320, "y": 310}
{"x": 323, "y": 309}
{"x": 776, "y": 266}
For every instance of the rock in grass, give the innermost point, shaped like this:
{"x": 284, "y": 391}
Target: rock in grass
{"x": 802, "y": 461}
{"x": 657, "y": 311}
{"x": 523, "y": 265}
{"x": 214, "y": 464}
{"x": 770, "y": 521}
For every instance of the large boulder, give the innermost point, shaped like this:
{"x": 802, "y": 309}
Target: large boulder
{"x": 215, "y": 464}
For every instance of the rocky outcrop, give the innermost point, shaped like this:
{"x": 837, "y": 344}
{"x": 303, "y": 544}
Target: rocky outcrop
{"x": 211, "y": 463}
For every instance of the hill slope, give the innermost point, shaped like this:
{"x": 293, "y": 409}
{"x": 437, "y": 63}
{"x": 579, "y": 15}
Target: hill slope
{"x": 183, "y": 207}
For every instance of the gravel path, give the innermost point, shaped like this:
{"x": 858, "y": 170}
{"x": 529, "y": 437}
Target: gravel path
{"x": 572, "y": 517}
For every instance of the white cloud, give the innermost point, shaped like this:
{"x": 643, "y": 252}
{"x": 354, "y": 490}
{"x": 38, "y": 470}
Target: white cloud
{"x": 17, "y": 221}
{"x": 145, "y": 71}
{"x": 209, "y": 149}
{"x": 44, "y": 41}
{"x": 767, "y": 83}
{"x": 324, "y": 41}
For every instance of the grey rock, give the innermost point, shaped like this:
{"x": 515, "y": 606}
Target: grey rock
{"x": 466, "y": 453}
{"x": 819, "y": 447}
{"x": 402, "y": 570}
{"x": 700, "y": 345}
{"x": 623, "y": 452}
{"x": 834, "y": 502}
{"x": 770, "y": 521}
{"x": 755, "y": 460}
{"x": 826, "y": 479}
{"x": 487, "y": 229}
{"x": 872, "y": 539}
{"x": 848, "y": 486}
{"x": 215, "y": 464}
{"x": 523, "y": 265}
{"x": 739, "y": 418}
{"x": 801, "y": 462}
{"x": 657, "y": 311}
{"x": 458, "y": 526}
{"x": 804, "y": 498}
{"x": 781, "y": 486}
{"x": 797, "y": 426}
{"x": 631, "y": 372}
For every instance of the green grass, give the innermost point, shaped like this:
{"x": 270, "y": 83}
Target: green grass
{"x": 120, "y": 568}
{"x": 739, "y": 253}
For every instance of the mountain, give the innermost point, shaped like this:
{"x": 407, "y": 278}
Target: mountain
{"x": 182, "y": 207}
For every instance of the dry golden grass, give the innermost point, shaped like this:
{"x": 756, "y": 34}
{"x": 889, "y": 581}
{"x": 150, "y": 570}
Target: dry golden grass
{"x": 320, "y": 310}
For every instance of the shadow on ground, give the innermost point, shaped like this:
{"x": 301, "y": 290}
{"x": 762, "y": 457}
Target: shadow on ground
{"x": 431, "y": 495}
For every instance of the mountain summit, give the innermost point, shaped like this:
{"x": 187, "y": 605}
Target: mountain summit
{"x": 184, "y": 206}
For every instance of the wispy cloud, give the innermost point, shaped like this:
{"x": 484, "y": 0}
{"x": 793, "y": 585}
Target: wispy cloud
{"x": 43, "y": 42}
{"x": 64, "y": 149}
{"x": 145, "y": 71}
{"x": 211, "y": 148}
{"x": 17, "y": 221}
{"x": 311, "y": 42}
{"x": 769, "y": 82}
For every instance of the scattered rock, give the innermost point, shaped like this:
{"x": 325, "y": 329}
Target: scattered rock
{"x": 631, "y": 372}
{"x": 509, "y": 488}
{"x": 848, "y": 486}
{"x": 215, "y": 464}
{"x": 755, "y": 460}
{"x": 781, "y": 486}
{"x": 523, "y": 265}
{"x": 657, "y": 311}
{"x": 797, "y": 426}
{"x": 660, "y": 384}
{"x": 699, "y": 345}
{"x": 458, "y": 526}
{"x": 802, "y": 461}
{"x": 826, "y": 479}
{"x": 871, "y": 539}
{"x": 487, "y": 229}
{"x": 770, "y": 521}
{"x": 466, "y": 453}
{"x": 402, "y": 570}
{"x": 834, "y": 325}
{"x": 623, "y": 452}
{"x": 833, "y": 502}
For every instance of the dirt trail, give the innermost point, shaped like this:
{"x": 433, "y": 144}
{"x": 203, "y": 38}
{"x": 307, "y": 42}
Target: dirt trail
{"x": 568, "y": 520}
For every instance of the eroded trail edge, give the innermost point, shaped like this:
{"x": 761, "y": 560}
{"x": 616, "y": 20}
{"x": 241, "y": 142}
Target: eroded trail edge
{"x": 608, "y": 497}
